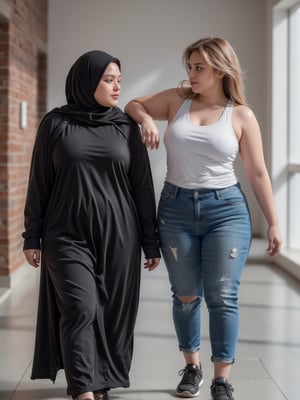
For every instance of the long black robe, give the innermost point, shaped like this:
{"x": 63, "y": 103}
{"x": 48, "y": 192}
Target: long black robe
{"x": 91, "y": 205}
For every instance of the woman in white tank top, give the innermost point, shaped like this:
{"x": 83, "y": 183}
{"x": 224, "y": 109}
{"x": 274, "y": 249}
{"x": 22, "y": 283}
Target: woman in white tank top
{"x": 203, "y": 218}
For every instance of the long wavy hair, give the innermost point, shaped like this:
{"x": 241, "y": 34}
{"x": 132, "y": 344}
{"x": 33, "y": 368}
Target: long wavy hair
{"x": 219, "y": 54}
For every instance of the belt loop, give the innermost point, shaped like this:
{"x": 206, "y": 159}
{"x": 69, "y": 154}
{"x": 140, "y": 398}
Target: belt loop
{"x": 175, "y": 192}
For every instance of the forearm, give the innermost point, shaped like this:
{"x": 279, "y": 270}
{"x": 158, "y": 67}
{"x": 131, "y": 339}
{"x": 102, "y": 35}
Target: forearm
{"x": 264, "y": 194}
{"x": 137, "y": 111}
{"x": 150, "y": 134}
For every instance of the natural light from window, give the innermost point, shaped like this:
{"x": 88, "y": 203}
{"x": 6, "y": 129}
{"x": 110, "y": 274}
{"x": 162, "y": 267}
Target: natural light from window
{"x": 294, "y": 127}
{"x": 285, "y": 119}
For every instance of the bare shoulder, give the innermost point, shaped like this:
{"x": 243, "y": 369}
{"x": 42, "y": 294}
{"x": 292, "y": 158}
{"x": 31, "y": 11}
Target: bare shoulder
{"x": 243, "y": 113}
{"x": 243, "y": 120}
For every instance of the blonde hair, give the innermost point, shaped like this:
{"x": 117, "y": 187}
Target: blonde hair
{"x": 219, "y": 54}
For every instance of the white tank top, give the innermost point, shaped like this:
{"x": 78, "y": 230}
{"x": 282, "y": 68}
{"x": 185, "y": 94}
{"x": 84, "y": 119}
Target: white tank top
{"x": 201, "y": 156}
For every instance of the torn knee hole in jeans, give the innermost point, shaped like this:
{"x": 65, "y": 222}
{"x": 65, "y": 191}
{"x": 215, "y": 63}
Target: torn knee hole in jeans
{"x": 189, "y": 300}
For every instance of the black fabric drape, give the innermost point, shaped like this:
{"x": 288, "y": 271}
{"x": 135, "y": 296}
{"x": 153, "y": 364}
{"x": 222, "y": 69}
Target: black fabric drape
{"x": 90, "y": 207}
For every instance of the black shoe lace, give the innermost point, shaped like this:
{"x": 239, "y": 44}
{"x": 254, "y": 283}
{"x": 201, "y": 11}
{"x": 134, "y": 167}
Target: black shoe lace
{"x": 224, "y": 388}
{"x": 189, "y": 374}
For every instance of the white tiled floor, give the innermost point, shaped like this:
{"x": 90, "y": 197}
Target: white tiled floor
{"x": 268, "y": 357}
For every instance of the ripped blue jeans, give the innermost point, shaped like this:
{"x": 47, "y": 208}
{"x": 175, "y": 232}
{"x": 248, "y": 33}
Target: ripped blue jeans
{"x": 205, "y": 238}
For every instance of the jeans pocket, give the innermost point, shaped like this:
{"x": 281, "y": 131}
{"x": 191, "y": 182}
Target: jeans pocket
{"x": 168, "y": 193}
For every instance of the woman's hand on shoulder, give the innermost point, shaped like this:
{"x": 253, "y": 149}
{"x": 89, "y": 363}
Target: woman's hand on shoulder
{"x": 33, "y": 257}
{"x": 150, "y": 134}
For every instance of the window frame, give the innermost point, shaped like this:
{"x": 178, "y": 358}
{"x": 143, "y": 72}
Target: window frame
{"x": 285, "y": 169}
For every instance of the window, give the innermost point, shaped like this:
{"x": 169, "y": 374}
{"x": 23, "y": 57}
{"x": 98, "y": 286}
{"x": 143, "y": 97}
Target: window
{"x": 293, "y": 234}
{"x": 285, "y": 119}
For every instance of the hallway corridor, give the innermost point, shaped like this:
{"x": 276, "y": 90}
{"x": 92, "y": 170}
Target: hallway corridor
{"x": 268, "y": 357}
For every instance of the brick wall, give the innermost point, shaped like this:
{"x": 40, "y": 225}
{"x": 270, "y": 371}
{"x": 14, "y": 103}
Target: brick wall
{"x": 23, "y": 60}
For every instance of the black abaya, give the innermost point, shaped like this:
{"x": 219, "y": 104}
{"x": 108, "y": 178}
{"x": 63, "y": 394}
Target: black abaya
{"x": 91, "y": 204}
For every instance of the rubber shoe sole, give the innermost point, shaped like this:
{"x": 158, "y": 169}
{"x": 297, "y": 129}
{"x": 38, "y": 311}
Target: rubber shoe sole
{"x": 186, "y": 394}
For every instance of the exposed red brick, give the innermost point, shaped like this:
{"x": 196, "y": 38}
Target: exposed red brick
{"x": 22, "y": 78}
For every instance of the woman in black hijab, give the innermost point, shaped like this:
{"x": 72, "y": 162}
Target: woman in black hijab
{"x": 90, "y": 209}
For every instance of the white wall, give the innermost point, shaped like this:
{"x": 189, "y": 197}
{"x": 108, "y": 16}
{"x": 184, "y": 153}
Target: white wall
{"x": 149, "y": 38}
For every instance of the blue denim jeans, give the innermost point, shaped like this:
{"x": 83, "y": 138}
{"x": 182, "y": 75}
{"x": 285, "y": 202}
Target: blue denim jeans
{"x": 205, "y": 238}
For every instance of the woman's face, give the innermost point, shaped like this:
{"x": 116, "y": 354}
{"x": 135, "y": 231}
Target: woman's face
{"x": 203, "y": 78}
{"x": 108, "y": 90}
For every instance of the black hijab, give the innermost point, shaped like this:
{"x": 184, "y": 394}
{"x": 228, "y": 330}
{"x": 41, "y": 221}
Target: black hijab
{"x": 81, "y": 83}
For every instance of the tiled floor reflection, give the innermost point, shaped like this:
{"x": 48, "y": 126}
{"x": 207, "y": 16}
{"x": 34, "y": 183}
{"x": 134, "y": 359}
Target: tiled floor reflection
{"x": 268, "y": 357}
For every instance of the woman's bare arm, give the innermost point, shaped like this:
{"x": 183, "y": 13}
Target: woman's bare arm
{"x": 251, "y": 151}
{"x": 155, "y": 107}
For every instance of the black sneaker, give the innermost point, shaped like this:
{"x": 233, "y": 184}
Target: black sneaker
{"x": 191, "y": 381}
{"x": 221, "y": 389}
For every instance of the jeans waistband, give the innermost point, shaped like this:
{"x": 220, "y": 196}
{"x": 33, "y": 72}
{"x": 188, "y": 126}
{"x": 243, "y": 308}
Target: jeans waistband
{"x": 175, "y": 188}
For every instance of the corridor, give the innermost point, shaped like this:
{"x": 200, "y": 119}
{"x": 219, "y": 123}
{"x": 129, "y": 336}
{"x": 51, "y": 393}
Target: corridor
{"x": 268, "y": 357}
